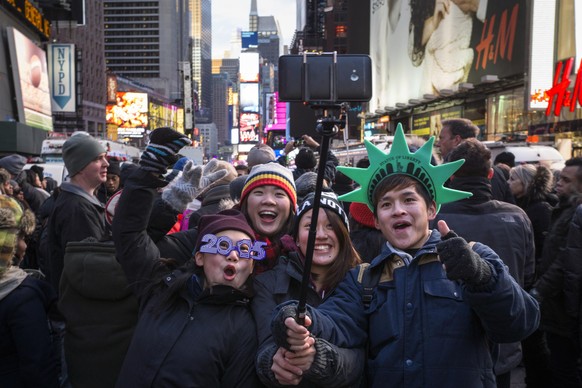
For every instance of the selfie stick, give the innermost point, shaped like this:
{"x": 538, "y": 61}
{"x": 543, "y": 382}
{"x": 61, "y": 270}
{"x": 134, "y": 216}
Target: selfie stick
{"x": 327, "y": 127}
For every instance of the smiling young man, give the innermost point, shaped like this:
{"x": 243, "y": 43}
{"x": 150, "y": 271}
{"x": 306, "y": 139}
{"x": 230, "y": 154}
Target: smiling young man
{"x": 438, "y": 301}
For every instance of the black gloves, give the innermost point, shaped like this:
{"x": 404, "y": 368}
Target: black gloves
{"x": 278, "y": 327}
{"x": 162, "y": 150}
{"x": 460, "y": 262}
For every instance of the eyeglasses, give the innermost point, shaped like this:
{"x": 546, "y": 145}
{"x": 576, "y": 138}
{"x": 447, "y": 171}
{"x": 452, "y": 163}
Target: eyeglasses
{"x": 223, "y": 245}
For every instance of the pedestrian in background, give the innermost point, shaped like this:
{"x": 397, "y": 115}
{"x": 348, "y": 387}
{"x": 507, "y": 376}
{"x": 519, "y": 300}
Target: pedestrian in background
{"x": 28, "y": 356}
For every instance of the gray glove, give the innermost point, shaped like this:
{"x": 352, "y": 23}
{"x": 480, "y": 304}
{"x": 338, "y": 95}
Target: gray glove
{"x": 182, "y": 190}
{"x": 461, "y": 262}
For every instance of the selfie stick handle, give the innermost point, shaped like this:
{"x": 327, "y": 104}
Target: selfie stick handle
{"x": 328, "y": 128}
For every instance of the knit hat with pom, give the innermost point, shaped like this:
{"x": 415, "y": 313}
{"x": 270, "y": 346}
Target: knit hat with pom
{"x": 274, "y": 174}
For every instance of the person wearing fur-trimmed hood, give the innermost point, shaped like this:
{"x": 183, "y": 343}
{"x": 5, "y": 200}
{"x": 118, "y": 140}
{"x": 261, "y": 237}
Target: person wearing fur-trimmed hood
{"x": 26, "y": 351}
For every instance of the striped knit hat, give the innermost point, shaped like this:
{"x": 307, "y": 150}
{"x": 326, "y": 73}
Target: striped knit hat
{"x": 274, "y": 174}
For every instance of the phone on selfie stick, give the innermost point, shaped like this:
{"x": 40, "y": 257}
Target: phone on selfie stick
{"x": 327, "y": 82}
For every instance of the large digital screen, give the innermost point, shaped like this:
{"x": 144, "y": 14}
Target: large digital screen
{"x": 249, "y": 39}
{"x": 541, "y": 62}
{"x": 413, "y": 56}
{"x": 249, "y": 128}
{"x": 249, "y": 67}
{"x": 130, "y": 110}
{"x": 31, "y": 82}
{"x": 163, "y": 115}
{"x": 249, "y": 97}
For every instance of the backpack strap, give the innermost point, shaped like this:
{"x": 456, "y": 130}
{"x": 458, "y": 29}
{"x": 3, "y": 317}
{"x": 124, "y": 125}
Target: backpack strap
{"x": 369, "y": 280}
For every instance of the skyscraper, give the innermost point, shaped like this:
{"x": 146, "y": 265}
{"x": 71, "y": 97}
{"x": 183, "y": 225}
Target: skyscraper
{"x": 141, "y": 42}
{"x": 201, "y": 55}
{"x": 269, "y": 34}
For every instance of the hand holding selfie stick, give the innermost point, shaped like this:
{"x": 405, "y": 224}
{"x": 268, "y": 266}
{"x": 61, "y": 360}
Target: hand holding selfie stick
{"x": 326, "y": 80}
{"x": 328, "y": 128}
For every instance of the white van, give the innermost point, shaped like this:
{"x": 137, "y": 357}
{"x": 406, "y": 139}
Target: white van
{"x": 57, "y": 171}
{"x": 529, "y": 153}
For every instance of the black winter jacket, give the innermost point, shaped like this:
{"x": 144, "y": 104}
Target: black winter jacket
{"x": 27, "y": 356}
{"x": 539, "y": 212}
{"x": 553, "y": 272}
{"x": 76, "y": 216}
{"x": 205, "y": 338}
{"x": 573, "y": 281}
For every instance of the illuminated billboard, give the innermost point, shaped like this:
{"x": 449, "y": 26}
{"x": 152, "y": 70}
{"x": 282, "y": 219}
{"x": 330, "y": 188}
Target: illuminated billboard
{"x": 31, "y": 81}
{"x": 249, "y": 67}
{"x": 541, "y": 62}
{"x": 249, "y": 128}
{"x": 130, "y": 110}
{"x": 249, "y": 39}
{"x": 163, "y": 115}
{"x": 277, "y": 118}
{"x": 426, "y": 59}
{"x": 249, "y": 97}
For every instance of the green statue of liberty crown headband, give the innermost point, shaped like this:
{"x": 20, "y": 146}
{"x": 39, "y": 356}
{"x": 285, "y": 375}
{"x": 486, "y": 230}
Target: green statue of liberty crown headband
{"x": 401, "y": 161}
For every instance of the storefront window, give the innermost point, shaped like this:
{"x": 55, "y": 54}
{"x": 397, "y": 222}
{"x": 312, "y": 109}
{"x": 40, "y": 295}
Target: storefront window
{"x": 505, "y": 120}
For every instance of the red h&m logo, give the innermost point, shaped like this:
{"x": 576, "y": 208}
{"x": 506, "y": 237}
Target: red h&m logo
{"x": 486, "y": 51}
{"x": 559, "y": 93}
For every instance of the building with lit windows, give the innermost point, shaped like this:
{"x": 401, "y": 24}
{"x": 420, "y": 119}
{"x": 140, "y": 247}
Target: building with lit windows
{"x": 145, "y": 41}
{"x": 201, "y": 56}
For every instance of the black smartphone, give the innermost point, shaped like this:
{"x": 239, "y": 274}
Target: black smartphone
{"x": 325, "y": 77}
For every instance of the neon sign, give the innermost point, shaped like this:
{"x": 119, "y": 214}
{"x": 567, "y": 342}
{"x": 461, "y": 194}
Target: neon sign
{"x": 558, "y": 95}
{"x": 27, "y": 11}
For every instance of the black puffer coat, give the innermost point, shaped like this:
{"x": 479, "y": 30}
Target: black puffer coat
{"x": 553, "y": 271}
{"x": 203, "y": 338}
{"x": 27, "y": 356}
{"x": 76, "y": 215}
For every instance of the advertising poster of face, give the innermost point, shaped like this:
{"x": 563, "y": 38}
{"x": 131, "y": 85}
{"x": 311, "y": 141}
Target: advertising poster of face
{"x": 31, "y": 81}
{"x": 426, "y": 46}
{"x": 249, "y": 128}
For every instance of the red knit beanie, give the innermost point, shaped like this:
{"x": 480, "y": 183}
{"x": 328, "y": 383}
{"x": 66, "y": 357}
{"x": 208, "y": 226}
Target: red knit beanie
{"x": 362, "y": 214}
{"x": 230, "y": 219}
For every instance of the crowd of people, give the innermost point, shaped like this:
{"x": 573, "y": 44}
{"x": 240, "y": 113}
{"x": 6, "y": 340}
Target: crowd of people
{"x": 169, "y": 274}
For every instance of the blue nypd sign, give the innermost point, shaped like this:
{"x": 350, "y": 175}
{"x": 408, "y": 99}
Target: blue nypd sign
{"x": 61, "y": 58}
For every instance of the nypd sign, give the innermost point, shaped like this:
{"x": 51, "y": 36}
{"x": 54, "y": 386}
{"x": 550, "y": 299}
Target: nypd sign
{"x": 61, "y": 59}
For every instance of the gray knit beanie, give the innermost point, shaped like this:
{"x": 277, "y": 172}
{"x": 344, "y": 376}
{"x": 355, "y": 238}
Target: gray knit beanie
{"x": 79, "y": 150}
{"x": 14, "y": 163}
